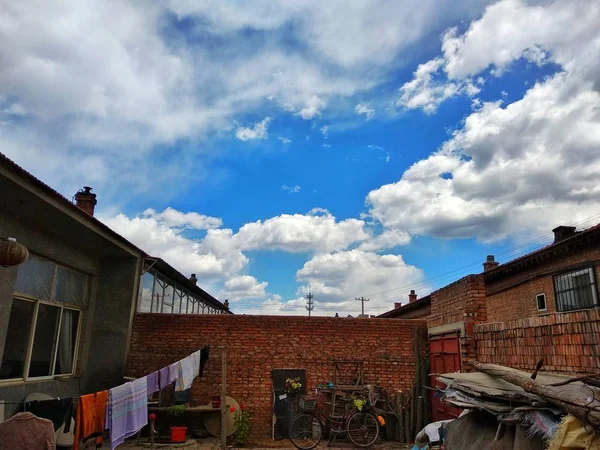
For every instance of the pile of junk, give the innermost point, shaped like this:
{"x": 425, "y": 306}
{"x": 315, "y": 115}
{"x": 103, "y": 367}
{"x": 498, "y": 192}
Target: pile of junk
{"x": 509, "y": 409}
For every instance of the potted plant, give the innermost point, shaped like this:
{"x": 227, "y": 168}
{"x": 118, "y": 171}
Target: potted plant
{"x": 241, "y": 421}
{"x": 177, "y": 432}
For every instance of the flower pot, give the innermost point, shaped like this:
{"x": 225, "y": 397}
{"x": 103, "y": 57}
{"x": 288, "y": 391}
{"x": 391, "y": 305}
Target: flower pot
{"x": 178, "y": 434}
{"x": 216, "y": 402}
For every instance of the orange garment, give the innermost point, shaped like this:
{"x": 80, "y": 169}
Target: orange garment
{"x": 90, "y": 419}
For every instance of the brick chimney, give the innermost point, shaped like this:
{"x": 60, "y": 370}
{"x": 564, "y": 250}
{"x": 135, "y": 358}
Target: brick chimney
{"x": 412, "y": 297}
{"x": 490, "y": 263}
{"x": 86, "y": 200}
{"x": 563, "y": 232}
{"x": 193, "y": 278}
{"x": 397, "y": 305}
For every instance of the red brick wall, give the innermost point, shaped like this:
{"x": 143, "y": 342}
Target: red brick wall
{"x": 513, "y": 297}
{"x": 568, "y": 342}
{"x": 257, "y": 344}
{"x": 461, "y": 301}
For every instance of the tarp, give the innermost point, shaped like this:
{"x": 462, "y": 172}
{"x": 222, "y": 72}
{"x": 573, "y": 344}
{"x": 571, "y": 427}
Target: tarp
{"x": 571, "y": 434}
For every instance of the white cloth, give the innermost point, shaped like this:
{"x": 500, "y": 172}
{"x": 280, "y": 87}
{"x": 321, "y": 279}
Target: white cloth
{"x": 188, "y": 369}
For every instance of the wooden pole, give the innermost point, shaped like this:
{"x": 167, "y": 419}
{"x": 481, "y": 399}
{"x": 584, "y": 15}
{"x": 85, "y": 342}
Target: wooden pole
{"x": 400, "y": 409}
{"x": 224, "y": 398}
{"x": 420, "y": 407}
{"x": 581, "y": 401}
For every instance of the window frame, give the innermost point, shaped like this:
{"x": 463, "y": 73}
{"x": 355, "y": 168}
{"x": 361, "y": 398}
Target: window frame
{"x": 593, "y": 288}
{"x": 19, "y": 296}
{"x": 537, "y": 305}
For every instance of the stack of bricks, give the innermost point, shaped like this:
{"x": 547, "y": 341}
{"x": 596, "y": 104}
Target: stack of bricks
{"x": 257, "y": 344}
{"x": 568, "y": 343}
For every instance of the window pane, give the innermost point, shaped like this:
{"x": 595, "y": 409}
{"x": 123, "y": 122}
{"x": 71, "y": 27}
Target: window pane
{"x": 71, "y": 287}
{"x": 44, "y": 340}
{"x": 146, "y": 293}
{"x": 34, "y": 278}
{"x": 576, "y": 290}
{"x": 67, "y": 339}
{"x": 17, "y": 337}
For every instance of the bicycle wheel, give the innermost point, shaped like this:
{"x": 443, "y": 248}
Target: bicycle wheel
{"x": 305, "y": 431}
{"x": 363, "y": 429}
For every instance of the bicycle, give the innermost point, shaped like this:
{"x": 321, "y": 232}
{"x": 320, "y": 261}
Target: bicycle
{"x": 360, "y": 425}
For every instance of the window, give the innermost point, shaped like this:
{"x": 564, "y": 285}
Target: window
{"x": 540, "y": 301}
{"x": 576, "y": 290}
{"x": 44, "y": 321}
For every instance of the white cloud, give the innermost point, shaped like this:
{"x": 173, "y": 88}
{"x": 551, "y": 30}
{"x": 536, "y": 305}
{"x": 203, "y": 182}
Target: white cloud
{"x": 324, "y": 130}
{"x": 258, "y": 131}
{"x": 172, "y": 218}
{"x": 291, "y": 189}
{"x": 374, "y": 147}
{"x": 313, "y": 108}
{"x": 285, "y": 140}
{"x": 243, "y": 287}
{"x": 386, "y": 240}
{"x": 336, "y": 279}
{"x": 363, "y": 108}
{"x": 502, "y": 35}
{"x": 326, "y": 145}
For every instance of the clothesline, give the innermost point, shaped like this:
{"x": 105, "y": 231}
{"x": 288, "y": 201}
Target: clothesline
{"x": 123, "y": 410}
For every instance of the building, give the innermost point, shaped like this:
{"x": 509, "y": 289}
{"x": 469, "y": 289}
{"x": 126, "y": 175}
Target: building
{"x": 543, "y": 305}
{"x": 560, "y": 277}
{"x": 66, "y": 313}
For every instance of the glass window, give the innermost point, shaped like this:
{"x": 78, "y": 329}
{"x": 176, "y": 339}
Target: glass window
{"x": 145, "y": 303}
{"x": 576, "y": 290}
{"x": 35, "y": 277}
{"x": 17, "y": 338}
{"x": 71, "y": 287}
{"x": 67, "y": 341}
{"x": 540, "y": 301}
{"x": 44, "y": 340}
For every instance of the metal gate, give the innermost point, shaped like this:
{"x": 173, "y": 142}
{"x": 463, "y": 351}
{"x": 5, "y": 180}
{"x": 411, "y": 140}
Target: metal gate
{"x": 444, "y": 350}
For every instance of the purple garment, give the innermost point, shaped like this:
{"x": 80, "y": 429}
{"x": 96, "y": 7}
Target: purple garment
{"x": 127, "y": 410}
{"x": 174, "y": 372}
{"x": 164, "y": 377}
{"x": 152, "y": 382}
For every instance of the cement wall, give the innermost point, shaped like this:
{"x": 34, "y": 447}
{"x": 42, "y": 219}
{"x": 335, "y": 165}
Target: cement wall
{"x": 104, "y": 332}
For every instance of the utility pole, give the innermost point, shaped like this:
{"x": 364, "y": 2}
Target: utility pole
{"x": 362, "y": 300}
{"x": 309, "y": 303}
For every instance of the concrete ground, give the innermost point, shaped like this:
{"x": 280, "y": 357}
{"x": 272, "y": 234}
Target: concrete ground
{"x": 266, "y": 444}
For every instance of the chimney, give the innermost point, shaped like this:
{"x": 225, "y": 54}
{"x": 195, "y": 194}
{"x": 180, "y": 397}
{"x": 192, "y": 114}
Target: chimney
{"x": 86, "y": 200}
{"x": 412, "y": 297}
{"x": 193, "y": 278}
{"x": 490, "y": 263}
{"x": 563, "y": 232}
{"x": 226, "y": 303}
{"x": 397, "y": 305}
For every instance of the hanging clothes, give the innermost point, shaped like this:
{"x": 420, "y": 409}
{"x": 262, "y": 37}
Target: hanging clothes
{"x": 188, "y": 368}
{"x": 59, "y": 411}
{"x": 127, "y": 410}
{"x": 25, "y": 431}
{"x": 152, "y": 380}
{"x": 163, "y": 378}
{"x": 90, "y": 420}
{"x": 174, "y": 372}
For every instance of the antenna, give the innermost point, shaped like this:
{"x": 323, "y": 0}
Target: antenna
{"x": 309, "y": 302}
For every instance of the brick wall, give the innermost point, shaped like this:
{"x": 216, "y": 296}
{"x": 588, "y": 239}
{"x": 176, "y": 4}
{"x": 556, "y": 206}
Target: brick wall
{"x": 257, "y": 344}
{"x": 513, "y": 296}
{"x": 460, "y": 302}
{"x": 568, "y": 342}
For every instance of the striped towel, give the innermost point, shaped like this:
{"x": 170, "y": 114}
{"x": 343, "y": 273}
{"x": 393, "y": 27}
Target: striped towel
{"x": 127, "y": 410}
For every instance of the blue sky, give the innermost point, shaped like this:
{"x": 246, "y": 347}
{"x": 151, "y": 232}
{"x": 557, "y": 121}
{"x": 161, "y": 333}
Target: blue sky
{"x": 349, "y": 148}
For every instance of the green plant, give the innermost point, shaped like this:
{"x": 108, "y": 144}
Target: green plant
{"x": 241, "y": 421}
{"x": 176, "y": 411}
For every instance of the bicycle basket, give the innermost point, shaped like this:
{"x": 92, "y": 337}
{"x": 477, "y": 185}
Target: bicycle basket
{"x": 308, "y": 403}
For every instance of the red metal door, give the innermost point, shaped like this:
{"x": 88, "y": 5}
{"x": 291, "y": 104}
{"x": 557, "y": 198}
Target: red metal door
{"x": 444, "y": 352}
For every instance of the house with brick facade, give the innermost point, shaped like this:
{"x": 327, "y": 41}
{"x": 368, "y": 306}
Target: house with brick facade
{"x": 542, "y": 305}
